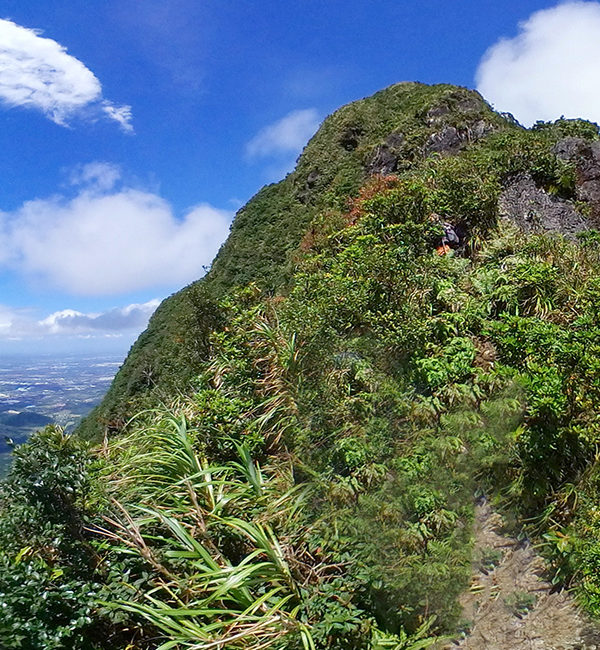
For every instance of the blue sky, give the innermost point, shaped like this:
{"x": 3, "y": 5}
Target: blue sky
{"x": 132, "y": 131}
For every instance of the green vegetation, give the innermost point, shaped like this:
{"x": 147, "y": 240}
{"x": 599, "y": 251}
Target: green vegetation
{"x": 266, "y": 233}
{"x": 311, "y": 424}
{"x": 520, "y": 603}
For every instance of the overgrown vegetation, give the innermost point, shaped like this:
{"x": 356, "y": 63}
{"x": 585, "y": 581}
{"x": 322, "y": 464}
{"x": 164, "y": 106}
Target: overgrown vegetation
{"x": 314, "y": 487}
{"x": 262, "y": 247}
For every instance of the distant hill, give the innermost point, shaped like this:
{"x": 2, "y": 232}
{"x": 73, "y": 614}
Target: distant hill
{"x": 27, "y": 419}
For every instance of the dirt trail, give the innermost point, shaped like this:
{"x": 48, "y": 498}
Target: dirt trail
{"x": 510, "y": 606}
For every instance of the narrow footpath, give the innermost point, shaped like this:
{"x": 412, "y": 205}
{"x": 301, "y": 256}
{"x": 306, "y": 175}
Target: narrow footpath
{"x": 510, "y": 605}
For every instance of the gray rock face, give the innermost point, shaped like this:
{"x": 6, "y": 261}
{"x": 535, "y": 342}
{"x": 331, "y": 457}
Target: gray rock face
{"x": 384, "y": 161}
{"x": 304, "y": 192}
{"x": 437, "y": 113}
{"x": 459, "y": 103}
{"x": 386, "y": 156}
{"x": 568, "y": 148}
{"x": 445, "y": 138}
{"x": 312, "y": 178}
{"x": 534, "y": 210}
{"x": 395, "y": 140}
{"x": 586, "y": 158}
{"x": 451, "y": 140}
{"x": 448, "y": 140}
{"x": 480, "y": 129}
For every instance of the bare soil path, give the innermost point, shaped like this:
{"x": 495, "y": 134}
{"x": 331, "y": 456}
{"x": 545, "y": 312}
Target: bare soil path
{"x": 510, "y": 604}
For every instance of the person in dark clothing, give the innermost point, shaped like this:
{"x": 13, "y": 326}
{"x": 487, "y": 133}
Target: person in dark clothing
{"x": 449, "y": 239}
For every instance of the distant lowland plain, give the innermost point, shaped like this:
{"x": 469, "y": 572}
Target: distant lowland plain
{"x": 39, "y": 390}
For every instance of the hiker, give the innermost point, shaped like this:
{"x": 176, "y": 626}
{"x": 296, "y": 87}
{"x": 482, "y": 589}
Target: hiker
{"x": 449, "y": 239}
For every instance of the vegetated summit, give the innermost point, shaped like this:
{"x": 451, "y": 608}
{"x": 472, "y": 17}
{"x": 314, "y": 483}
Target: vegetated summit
{"x": 391, "y": 132}
{"x": 291, "y": 454}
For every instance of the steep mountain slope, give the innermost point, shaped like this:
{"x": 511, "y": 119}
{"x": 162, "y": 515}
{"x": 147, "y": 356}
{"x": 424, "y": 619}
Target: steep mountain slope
{"x": 313, "y": 422}
{"x": 392, "y": 131}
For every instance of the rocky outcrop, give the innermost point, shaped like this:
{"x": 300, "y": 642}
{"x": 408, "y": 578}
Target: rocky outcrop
{"x": 448, "y": 140}
{"x": 585, "y": 156}
{"x": 450, "y": 124}
{"x": 454, "y": 103}
{"x": 534, "y": 210}
{"x": 303, "y": 194}
{"x": 451, "y": 140}
{"x": 386, "y": 156}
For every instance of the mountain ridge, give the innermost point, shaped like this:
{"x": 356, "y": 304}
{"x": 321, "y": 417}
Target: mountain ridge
{"x": 293, "y": 454}
{"x": 360, "y": 139}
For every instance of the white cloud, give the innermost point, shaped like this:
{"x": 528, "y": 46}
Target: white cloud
{"x": 122, "y": 115}
{"x": 37, "y": 72}
{"x": 550, "y": 68}
{"x": 109, "y": 241}
{"x": 101, "y": 175}
{"x": 286, "y": 136}
{"x": 19, "y": 324}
